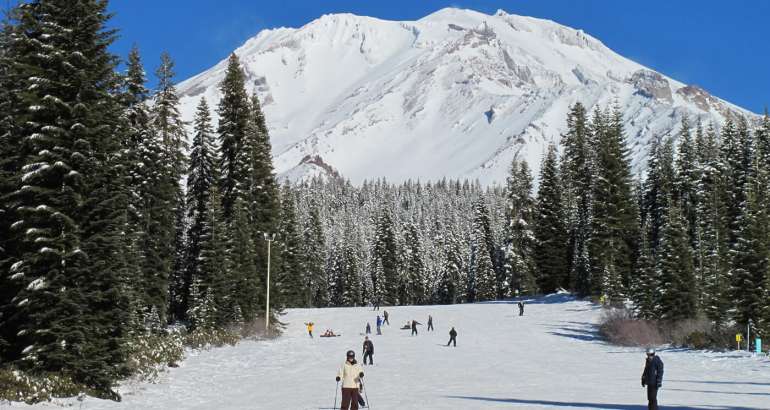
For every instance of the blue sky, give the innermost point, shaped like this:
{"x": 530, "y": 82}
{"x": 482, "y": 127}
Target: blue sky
{"x": 722, "y": 46}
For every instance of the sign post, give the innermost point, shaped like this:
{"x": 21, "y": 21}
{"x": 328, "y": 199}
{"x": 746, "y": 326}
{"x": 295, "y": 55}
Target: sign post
{"x": 738, "y": 338}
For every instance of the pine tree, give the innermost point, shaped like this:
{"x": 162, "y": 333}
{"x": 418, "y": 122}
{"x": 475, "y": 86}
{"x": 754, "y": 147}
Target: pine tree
{"x": 313, "y": 247}
{"x": 412, "y": 286}
{"x": 291, "y": 279}
{"x": 658, "y": 190}
{"x": 244, "y": 281}
{"x": 677, "y": 274}
{"x": 212, "y": 273}
{"x": 549, "y": 251}
{"x": 447, "y": 291}
{"x": 68, "y": 203}
{"x": 481, "y": 273}
{"x": 385, "y": 257}
{"x": 233, "y": 113}
{"x": 645, "y": 283}
{"x": 519, "y": 274}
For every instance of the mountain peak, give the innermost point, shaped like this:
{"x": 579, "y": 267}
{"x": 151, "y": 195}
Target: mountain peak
{"x": 455, "y": 94}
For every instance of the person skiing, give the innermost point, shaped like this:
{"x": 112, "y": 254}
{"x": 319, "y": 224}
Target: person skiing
{"x": 452, "y": 337}
{"x": 376, "y": 305}
{"x": 430, "y": 323}
{"x": 351, "y": 374}
{"x": 309, "y": 328}
{"x": 414, "y": 327}
{"x": 521, "y": 308}
{"x": 652, "y": 378}
{"x": 368, "y": 328}
{"x": 368, "y": 350}
{"x": 385, "y": 317}
{"x": 379, "y": 325}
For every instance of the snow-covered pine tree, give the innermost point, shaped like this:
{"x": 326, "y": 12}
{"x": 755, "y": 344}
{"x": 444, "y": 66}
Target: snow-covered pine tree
{"x": 314, "y": 247}
{"x": 201, "y": 176}
{"x": 519, "y": 268}
{"x": 645, "y": 284}
{"x": 687, "y": 178}
{"x": 550, "y": 233}
{"x": 291, "y": 274}
{"x": 412, "y": 280}
{"x": 385, "y": 256}
{"x": 233, "y": 110}
{"x": 65, "y": 205}
{"x": 212, "y": 273}
{"x": 615, "y": 222}
{"x": 678, "y": 294}
{"x": 244, "y": 280}
{"x": 168, "y": 127}
{"x": 658, "y": 189}
{"x": 577, "y": 170}
{"x": 449, "y": 285}
{"x": 481, "y": 273}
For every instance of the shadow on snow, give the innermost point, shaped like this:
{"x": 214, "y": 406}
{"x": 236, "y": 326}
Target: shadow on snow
{"x": 609, "y": 406}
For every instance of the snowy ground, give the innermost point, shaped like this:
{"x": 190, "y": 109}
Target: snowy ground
{"x": 549, "y": 358}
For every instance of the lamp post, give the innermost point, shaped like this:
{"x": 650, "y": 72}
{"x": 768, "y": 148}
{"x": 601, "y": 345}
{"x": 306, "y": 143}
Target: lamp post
{"x": 748, "y": 336}
{"x": 269, "y": 238}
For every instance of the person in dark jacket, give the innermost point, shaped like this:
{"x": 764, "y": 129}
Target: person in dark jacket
{"x": 368, "y": 328}
{"x": 430, "y": 323}
{"x": 368, "y": 350}
{"x": 385, "y": 317}
{"x": 414, "y": 327}
{"x": 452, "y": 337}
{"x": 379, "y": 325}
{"x": 521, "y": 308}
{"x": 652, "y": 378}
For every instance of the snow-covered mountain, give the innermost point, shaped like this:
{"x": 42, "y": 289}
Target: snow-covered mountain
{"x": 455, "y": 94}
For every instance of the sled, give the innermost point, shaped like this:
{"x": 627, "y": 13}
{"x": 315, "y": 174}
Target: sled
{"x": 330, "y": 336}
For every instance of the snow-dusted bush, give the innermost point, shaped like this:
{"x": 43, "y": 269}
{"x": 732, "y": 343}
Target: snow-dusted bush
{"x": 22, "y": 387}
{"x": 207, "y": 338}
{"x": 149, "y": 353}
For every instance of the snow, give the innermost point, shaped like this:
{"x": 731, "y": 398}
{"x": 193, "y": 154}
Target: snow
{"x": 549, "y": 358}
{"x": 412, "y": 99}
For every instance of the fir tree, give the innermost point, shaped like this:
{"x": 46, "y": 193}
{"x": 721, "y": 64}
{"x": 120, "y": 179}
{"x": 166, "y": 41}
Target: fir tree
{"x": 678, "y": 298}
{"x": 481, "y": 273}
{"x": 412, "y": 286}
{"x": 550, "y": 232}
{"x": 385, "y": 256}
{"x": 212, "y": 274}
{"x": 645, "y": 283}
{"x": 313, "y": 247}
{"x": 291, "y": 277}
{"x": 519, "y": 273}
{"x": 244, "y": 282}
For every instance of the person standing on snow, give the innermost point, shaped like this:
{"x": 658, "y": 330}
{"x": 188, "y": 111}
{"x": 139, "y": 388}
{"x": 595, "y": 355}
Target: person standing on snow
{"x": 379, "y": 325}
{"x": 430, "y": 323}
{"x": 414, "y": 327}
{"x": 452, "y": 337}
{"x": 652, "y": 378}
{"x": 368, "y": 350}
{"x": 368, "y": 328}
{"x": 309, "y": 328}
{"x": 521, "y": 308}
{"x": 385, "y": 316}
{"x": 351, "y": 374}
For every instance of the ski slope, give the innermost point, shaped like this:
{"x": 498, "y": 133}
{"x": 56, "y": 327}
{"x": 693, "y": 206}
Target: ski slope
{"x": 549, "y": 358}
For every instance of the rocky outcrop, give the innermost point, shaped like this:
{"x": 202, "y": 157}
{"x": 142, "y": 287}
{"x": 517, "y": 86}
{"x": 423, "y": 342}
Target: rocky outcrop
{"x": 651, "y": 85}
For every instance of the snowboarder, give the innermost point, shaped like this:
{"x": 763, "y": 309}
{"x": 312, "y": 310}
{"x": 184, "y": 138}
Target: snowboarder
{"x": 350, "y": 373}
{"x": 368, "y": 328}
{"x": 309, "y": 328}
{"x": 430, "y": 323}
{"x": 368, "y": 350}
{"x": 521, "y": 308}
{"x": 379, "y": 325}
{"x": 452, "y": 337}
{"x": 652, "y": 378}
{"x": 414, "y": 327}
{"x": 385, "y": 317}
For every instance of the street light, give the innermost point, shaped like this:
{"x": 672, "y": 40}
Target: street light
{"x": 269, "y": 238}
{"x": 748, "y": 336}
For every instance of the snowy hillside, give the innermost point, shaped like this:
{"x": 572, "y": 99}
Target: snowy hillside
{"x": 457, "y": 93}
{"x": 549, "y": 358}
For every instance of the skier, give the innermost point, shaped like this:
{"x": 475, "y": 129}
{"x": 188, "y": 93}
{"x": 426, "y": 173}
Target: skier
{"x": 309, "y": 328}
{"x": 368, "y": 350}
{"x": 379, "y": 325}
{"x": 414, "y": 327}
{"x": 521, "y": 308}
{"x": 452, "y": 337}
{"x": 376, "y": 304}
{"x": 430, "y": 323}
{"x": 350, "y": 373}
{"x": 368, "y": 328}
{"x": 652, "y": 378}
{"x": 385, "y": 317}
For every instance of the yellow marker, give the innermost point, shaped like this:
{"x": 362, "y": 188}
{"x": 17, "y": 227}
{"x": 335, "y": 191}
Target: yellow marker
{"x": 738, "y": 337}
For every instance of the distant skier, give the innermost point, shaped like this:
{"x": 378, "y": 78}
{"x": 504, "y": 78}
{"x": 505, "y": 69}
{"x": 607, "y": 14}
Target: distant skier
{"x": 652, "y": 378}
{"x": 414, "y": 327}
{"x": 376, "y": 304}
{"x": 309, "y": 328}
{"x": 521, "y": 308}
{"x": 379, "y": 325}
{"x": 430, "y": 323}
{"x": 351, "y": 374}
{"x": 368, "y": 350}
{"x": 368, "y": 328}
{"x": 452, "y": 337}
{"x": 385, "y": 317}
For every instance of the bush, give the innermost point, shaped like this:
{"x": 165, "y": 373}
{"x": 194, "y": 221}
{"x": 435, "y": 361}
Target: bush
{"x": 206, "y": 338}
{"x": 620, "y": 327}
{"x": 19, "y": 386}
{"x": 150, "y": 353}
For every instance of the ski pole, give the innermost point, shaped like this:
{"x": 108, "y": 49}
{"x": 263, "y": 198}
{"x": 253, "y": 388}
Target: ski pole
{"x": 336, "y": 389}
{"x": 366, "y": 395}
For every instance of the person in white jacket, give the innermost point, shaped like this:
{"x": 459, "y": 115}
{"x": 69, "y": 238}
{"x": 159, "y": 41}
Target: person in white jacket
{"x": 351, "y": 374}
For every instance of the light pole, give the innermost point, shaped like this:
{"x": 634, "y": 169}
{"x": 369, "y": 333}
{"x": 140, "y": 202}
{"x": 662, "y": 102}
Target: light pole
{"x": 748, "y": 336}
{"x": 269, "y": 238}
